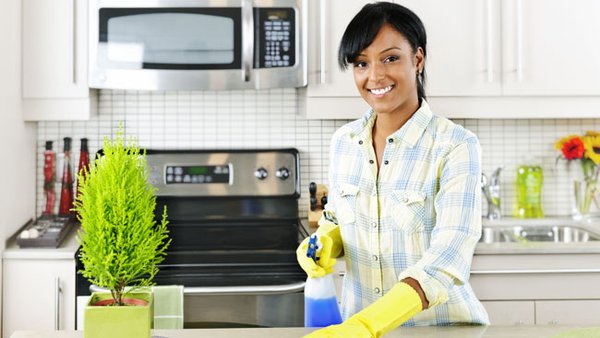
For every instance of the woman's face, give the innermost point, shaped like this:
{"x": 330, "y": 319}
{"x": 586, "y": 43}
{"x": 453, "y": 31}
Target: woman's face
{"x": 385, "y": 73}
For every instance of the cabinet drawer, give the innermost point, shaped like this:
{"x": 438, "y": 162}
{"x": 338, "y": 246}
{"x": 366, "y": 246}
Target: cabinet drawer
{"x": 567, "y": 312}
{"x": 510, "y": 312}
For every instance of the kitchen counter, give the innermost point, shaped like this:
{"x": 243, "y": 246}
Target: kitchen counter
{"x": 430, "y": 332}
{"x": 66, "y": 250}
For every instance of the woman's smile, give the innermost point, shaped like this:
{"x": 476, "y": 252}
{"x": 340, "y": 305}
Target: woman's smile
{"x": 380, "y": 92}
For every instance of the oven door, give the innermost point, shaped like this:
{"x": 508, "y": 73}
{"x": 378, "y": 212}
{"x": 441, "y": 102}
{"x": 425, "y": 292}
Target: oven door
{"x": 228, "y": 307}
{"x": 162, "y": 45}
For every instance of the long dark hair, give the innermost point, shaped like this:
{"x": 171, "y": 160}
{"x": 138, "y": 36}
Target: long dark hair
{"x": 363, "y": 28}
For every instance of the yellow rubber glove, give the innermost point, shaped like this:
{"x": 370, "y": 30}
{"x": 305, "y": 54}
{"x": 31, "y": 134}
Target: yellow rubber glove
{"x": 390, "y": 311}
{"x": 331, "y": 240}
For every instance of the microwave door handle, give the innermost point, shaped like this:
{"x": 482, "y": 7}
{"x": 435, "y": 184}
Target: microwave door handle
{"x": 247, "y": 38}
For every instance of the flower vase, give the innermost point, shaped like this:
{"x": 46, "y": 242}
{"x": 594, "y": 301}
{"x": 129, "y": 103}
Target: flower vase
{"x": 584, "y": 195}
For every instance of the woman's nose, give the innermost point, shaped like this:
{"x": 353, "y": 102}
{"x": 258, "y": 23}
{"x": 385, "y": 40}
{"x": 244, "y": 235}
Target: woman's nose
{"x": 377, "y": 72}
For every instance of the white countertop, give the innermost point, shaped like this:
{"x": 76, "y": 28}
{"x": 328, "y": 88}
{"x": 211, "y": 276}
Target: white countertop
{"x": 540, "y": 331}
{"x": 66, "y": 250}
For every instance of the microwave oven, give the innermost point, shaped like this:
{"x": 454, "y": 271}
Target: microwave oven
{"x": 197, "y": 44}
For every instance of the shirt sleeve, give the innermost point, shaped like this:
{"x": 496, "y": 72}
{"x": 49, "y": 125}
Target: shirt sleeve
{"x": 457, "y": 230}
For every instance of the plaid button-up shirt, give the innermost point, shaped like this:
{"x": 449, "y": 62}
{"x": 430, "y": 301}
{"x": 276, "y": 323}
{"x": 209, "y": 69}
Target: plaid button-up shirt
{"x": 419, "y": 217}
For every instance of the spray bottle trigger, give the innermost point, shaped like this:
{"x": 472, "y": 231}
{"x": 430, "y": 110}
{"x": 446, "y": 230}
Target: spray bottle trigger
{"x": 312, "y": 247}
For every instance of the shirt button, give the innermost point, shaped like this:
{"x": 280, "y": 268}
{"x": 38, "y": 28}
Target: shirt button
{"x": 360, "y": 142}
{"x": 405, "y": 200}
{"x": 374, "y": 224}
{"x": 375, "y": 258}
{"x": 390, "y": 140}
{"x": 371, "y": 161}
{"x": 386, "y": 162}
{"x": 376, "y": 290}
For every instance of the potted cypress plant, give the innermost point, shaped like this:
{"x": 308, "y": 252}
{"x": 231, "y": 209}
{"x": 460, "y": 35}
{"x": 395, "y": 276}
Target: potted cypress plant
{"x": 121, "y": 242}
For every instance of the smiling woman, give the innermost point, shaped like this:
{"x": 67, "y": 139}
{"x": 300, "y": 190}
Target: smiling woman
{"x": 404, "y": 207}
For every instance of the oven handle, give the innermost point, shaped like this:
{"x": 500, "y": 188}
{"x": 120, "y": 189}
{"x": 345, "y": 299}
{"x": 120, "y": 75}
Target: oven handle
{"x": 233, "y": 290}
{"x": 245, "y": 290}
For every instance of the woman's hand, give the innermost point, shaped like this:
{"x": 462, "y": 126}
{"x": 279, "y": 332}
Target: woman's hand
{"x": 324, "y": 265}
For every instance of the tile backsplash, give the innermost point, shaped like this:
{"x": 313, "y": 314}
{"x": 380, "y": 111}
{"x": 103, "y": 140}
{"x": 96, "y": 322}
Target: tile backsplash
{"x": 270, "y": 119}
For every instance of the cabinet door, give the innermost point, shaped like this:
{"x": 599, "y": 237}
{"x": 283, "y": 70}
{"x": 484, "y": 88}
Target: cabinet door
{"x": 510, "y": 312}
{"x": 463, "y": 46}
{"x": 328, "y": 23}
{"x": 54, "y": 49}
{"x": 567, "y": 312}
{"x": 38, "y": 295}
{"x": 54, "y": 61}
{"x": 550, "y": 47}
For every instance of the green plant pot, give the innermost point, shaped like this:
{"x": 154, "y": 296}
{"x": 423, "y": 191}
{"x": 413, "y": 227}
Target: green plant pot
{"x": 117, "y": 321}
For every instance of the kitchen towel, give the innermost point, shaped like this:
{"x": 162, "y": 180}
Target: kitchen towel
{"x": 168, "y": 306}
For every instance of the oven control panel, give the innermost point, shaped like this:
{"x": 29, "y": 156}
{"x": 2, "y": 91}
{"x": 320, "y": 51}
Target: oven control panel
{"x": 225, "y": 173}
{"x": 197, "y": 174}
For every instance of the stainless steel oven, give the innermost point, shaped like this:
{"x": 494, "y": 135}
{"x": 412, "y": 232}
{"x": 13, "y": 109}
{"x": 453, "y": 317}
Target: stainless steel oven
{"x": 197, "y": 44}
{"x": 234, "y": 227}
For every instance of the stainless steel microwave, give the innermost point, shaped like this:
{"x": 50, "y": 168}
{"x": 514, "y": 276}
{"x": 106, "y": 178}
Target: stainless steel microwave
{"x": 197, "y": 44}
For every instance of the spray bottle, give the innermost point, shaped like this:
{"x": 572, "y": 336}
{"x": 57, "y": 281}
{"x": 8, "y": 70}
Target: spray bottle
{"x": 320, "y": 304}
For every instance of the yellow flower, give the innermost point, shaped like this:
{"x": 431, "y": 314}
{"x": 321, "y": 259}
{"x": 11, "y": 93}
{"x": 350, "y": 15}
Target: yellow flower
{"x": 591, "y": 133}
{"x": 591, "y": 143}
{"x": 561, "y": 142}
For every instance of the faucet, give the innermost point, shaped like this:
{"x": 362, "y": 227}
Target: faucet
{"x": 491, "y": 191}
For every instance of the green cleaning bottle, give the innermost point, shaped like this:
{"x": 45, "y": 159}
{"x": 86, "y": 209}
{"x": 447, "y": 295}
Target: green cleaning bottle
{"x": 529, "y": 191}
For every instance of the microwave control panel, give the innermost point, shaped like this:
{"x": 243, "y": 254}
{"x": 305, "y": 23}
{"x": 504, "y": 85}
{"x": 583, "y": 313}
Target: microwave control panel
{"x": 275, "y": 44}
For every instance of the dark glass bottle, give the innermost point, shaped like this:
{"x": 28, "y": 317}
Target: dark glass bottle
{"x": 66, "y": 191}
{"x": 84, "y": 162}
{"x": 49, "y": 160}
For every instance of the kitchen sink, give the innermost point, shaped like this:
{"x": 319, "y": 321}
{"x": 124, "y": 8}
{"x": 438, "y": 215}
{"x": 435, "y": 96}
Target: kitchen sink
{"x": 557, "y": 234}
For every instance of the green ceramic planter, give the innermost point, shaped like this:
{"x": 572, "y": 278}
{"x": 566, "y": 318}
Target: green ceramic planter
{"x": 118, "y": 321}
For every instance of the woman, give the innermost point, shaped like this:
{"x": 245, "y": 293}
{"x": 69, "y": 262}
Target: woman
{"x": 404, "y": 207}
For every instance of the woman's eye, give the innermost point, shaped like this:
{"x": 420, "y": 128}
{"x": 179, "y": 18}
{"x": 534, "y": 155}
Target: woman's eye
{"x": 360, "y": 64}
{"x": 390, "y": 58}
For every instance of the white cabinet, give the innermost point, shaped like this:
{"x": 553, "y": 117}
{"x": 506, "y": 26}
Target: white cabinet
{"x": 567, "y": 312}
{"x": 54, "y": 67}
{"x": 331, "y": 92}
{"x": 510, "y": 312}
{"x": 547, "y": 47}
{"x": 38, "y": 294}
{"x": 486, "y": 59}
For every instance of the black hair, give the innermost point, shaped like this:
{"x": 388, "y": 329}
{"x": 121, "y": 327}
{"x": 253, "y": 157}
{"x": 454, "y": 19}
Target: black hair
{"x": 363, "y": 28}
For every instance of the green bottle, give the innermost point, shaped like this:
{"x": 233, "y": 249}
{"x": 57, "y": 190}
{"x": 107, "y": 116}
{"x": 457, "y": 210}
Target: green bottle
{"x": 529, "y": 191}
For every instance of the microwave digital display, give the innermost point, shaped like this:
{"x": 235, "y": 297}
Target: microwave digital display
{"x": 197, "y": 174}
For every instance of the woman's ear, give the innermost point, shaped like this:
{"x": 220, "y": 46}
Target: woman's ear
{"x": 419, "y": 60}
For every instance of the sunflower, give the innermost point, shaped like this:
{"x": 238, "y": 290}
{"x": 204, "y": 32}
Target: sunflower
{"x": 592, "y": 147}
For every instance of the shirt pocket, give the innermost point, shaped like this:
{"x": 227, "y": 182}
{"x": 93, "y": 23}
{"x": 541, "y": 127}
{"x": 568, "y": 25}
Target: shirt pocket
{"x": 345, "y": 213}
{"x": 408, "y": 210}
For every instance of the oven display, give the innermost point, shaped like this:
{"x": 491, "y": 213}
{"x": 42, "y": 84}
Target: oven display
{"x": 197, "y": 174}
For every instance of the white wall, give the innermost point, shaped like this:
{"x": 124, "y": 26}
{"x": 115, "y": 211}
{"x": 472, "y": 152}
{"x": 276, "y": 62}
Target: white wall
{"x": 17, "y": 138}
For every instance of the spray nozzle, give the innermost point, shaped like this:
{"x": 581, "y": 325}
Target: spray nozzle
{"x": 313, "y": 247}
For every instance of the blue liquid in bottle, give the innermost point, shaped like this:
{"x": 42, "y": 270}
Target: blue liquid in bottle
{"x": 320, "y": 304}
{"x": 321, "y": 312}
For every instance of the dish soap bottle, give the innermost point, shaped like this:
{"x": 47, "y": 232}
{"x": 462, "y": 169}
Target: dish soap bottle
{"x": 320, "y": 303}
{"x": 529, "y": 191}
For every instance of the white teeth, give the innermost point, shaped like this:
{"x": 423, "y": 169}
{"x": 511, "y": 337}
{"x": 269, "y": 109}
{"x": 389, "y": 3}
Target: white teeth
{"x": 381, "y": 91}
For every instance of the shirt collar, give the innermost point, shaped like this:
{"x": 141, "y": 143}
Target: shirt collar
{"x": 409, "y": 133}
